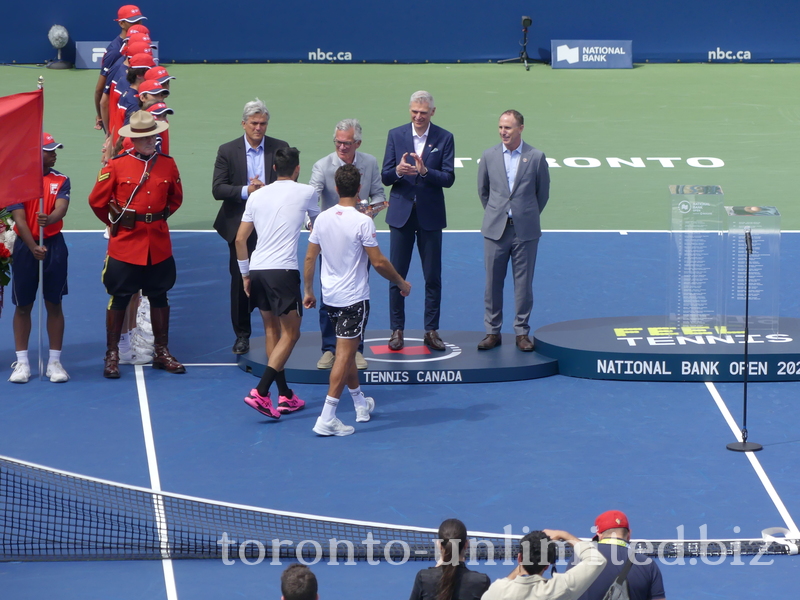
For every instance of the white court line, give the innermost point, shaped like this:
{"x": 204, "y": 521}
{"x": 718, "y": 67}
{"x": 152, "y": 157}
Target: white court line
{"x": 762, "y": 475}
{"x": 155, "y": 484}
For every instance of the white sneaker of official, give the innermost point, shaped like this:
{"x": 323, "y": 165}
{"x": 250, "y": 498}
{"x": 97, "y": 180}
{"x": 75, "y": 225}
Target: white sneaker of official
{"x": 21, "y": 372}
{"x": 56, "y": 372}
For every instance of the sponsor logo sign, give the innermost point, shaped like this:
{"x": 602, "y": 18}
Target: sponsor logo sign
{"x": 591, "y": 54}
{"x": 89, "y": 55}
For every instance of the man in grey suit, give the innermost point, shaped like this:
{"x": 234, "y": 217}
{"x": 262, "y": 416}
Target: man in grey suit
{"x": 514, "y": 186}
{"x": 347, "y": 140}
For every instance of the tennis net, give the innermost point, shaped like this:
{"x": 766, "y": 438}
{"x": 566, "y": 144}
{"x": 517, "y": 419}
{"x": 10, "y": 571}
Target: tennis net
{"x": 49, "y": 514}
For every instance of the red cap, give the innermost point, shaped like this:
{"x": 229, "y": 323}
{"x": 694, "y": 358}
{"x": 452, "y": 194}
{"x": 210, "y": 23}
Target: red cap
{"x": 159, "y": 74}
{"x": 138, "y": 28}
{"x": 48, "y": 143}
{"x": 159, "y": 108}
{"x": 610, "y": 519}
{"x": 129, "y": 13}
{"x": 140, "y": 38}
{"x": 142, "y": 60}
{"x": 136, "y": 48}
{"x": 151, "y": 87}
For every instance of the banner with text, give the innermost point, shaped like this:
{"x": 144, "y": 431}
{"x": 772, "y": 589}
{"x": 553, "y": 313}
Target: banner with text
{"x": 592, "y": 54}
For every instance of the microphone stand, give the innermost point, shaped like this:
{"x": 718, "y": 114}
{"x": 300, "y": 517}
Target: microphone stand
{"x": 744, "y": 445}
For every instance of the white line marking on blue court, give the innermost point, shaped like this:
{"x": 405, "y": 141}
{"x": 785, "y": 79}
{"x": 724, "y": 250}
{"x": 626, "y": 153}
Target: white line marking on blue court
{"x": 155, "y": 484}
{"x": 762, "y": 475}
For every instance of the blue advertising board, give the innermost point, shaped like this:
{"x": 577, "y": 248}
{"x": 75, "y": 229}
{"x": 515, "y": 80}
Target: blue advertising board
{"x": 592, "y": 54}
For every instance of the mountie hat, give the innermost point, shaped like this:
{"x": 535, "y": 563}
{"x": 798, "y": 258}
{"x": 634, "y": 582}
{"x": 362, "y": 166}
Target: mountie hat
{"x": 48, "y": 143}
{"x": 610, "y": 519}
{"x": 142, "y": 124}
{"x": 129, "y": 13}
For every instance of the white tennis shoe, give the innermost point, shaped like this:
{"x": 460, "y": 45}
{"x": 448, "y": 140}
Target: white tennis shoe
{"x": 56, "y": 372}
{"x": 363, "y": 412}
{"x": 21, "y": 373}
{"x": 333, "y": 427}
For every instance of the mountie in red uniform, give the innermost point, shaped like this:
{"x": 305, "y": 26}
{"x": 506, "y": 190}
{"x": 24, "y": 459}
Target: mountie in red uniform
{"x": 140, "y": 254}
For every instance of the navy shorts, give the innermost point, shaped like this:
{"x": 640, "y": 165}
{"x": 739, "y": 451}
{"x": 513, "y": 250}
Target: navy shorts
{"x": 350, "y": 321}
{"x": 125, "y": 279}
{"x": 25, "y": 272}
{"x": 276, "y": 291}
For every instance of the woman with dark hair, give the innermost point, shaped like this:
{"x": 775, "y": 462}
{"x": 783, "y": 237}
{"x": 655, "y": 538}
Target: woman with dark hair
{"x": 450, "y": 579}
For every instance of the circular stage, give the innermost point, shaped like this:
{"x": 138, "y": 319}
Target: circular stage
{"x": 461, "y": 362}
{"x": 645, "y": 349}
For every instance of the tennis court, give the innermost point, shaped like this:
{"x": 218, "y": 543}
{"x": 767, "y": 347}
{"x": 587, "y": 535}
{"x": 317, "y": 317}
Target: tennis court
{"x": 553, "y": 452}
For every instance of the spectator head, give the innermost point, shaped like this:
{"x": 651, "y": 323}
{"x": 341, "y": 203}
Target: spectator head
{"x": 298, "y": 583}
{"x": 453, "y": 544}
{"x": 612, "y": 524}
{"x": 537, "y": 552}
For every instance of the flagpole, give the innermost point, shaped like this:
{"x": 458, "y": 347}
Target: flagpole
{"x": 39, "y": 292}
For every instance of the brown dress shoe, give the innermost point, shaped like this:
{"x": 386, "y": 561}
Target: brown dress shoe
{"x": 164, "y": 360}
{"x": 396, "y": 341}
{"x": 433, "y": 341}
{"x": 111, "y": 367}
{"x": 492, "y": 340}
{"x": 524, "y": 343}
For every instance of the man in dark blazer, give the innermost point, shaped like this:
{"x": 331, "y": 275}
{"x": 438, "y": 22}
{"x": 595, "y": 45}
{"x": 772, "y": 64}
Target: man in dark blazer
{"x": 418, "y": 164}
{"x": 514, "y": 186}
{"x": 242, "y": 166}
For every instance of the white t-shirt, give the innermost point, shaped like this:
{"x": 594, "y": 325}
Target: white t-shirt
{"x": 277, "y": 211}
{"x": 341, "y": 233}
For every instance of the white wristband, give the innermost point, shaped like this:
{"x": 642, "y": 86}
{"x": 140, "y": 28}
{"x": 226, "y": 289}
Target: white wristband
{"x": 244, "y": 266}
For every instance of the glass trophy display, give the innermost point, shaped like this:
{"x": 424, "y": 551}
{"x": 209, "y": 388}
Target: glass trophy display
{"x": 763, "y": 223}
{"x": 696, "y": 260}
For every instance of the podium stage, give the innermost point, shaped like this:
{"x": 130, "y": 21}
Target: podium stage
{"x": 644, "y": 349}
{"x": 462, "y": 362}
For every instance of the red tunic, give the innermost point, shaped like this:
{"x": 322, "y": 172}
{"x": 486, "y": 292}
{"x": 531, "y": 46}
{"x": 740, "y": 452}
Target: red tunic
{"x": 161, "y": 190}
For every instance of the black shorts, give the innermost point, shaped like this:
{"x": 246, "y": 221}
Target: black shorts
{"x": 276, "y": 291}
{"x": 25, "y": 272}
{"x": 125, "y": 279}
{"x": 350, "y": 321}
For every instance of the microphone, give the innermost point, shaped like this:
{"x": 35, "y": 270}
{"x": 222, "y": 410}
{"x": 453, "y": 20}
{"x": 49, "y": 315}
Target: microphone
{"x": 748, "y": 240}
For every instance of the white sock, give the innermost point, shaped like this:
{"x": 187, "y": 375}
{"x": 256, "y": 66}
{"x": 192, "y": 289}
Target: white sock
{"x": 55, "y": 356}
{"x": 329, "y": 409}
{"x": 358, "y": 397}
{"x": 22, "y": 357}
{"x": 125, "y": 342}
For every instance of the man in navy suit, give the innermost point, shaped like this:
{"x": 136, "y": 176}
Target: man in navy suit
{"x": 418, "y": 164}
{"x": 514, "y": 186}
{"x": 243, "y": 166}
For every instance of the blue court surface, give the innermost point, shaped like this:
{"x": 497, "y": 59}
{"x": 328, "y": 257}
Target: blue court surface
{"x": 546, "y": 453}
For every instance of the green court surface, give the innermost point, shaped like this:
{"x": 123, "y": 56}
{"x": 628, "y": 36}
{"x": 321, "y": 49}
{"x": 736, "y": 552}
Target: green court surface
{"x": 746, "y": 116}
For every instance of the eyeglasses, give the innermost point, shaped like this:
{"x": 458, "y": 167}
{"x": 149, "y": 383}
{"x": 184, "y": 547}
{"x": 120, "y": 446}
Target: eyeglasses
{"x": 345, "y": 144}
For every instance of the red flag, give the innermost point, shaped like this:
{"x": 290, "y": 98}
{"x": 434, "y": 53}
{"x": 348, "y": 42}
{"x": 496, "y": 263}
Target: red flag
{"x": 21, "y": 150}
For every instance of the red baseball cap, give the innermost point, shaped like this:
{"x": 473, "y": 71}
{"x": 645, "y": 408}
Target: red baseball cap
{"x": 48, "y": 143}
{"x": 136, "y": 48}
{"x": 140, "y": 38}
{"x": 138, "y": 28}
{"x": 142, "y": 60}
{"x": 159, "y": 108}
{"x": 610, "y": 519}
{"x": 129, "y": 13}
{"x": 159, "y": 74}
{"x": 151, "y": 87}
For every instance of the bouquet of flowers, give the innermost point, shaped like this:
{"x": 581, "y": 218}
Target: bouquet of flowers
{"x": 7, "y": 237}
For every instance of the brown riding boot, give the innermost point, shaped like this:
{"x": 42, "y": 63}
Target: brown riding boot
{"x": 162, "y": 359}
{"x": 114, "y": 321}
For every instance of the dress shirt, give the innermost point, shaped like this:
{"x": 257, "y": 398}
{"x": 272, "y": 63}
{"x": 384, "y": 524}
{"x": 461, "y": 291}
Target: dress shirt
{"x": 255, "y": 164}
{"x": 511, "y": 160}
{"x": 419, "y": 140}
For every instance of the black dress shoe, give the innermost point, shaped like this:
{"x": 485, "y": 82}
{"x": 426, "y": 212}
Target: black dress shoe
{"x": 242, "y": 345}
{"x": 433, "y": 341}
{"x": 396, "y": 341}
{"x": 524, "y": 343}
{"x": 492, "y": 340}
